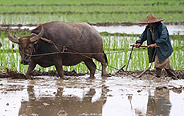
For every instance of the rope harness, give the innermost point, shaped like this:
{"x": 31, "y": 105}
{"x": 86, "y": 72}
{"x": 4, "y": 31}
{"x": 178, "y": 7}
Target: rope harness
{"x": 64, "y": 48}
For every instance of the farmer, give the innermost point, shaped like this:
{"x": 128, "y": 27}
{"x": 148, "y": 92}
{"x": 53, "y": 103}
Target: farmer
{"x": 159, "y": 44}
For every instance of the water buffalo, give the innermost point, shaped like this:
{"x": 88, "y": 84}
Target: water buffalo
{"x": 75, "y": 37}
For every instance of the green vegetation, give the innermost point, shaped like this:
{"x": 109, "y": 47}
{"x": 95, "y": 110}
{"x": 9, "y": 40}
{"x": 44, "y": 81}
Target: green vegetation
{"x": 164, "y": 2}
{"x": 36, "y": 12}
{"x": 116, "y": 47}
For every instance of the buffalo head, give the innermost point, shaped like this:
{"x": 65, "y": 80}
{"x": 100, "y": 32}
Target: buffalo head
{"x": 26, "y": 44}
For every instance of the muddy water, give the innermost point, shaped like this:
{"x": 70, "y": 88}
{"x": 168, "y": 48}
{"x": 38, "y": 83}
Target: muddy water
{"x": 134, "y": 29}
{"x": 78, "y": 96}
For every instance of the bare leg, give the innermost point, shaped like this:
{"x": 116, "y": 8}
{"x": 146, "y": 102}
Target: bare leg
{"x": 91, "y": 66}
{"x": 158, "y": 72}
{"x": 171, "y": 72}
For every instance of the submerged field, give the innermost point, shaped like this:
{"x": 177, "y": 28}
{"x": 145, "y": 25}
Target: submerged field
{"x": 117, "y": 46}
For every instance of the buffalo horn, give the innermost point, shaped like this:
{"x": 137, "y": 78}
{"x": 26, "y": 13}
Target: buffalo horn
{"x": 37, "y": 37}
{"x": 13, "y": 39}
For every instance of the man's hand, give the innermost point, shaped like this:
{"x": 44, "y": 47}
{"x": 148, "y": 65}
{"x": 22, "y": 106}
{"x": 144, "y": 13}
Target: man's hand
{"x": 152, "y": 45}
{"x": 137, "y": 45}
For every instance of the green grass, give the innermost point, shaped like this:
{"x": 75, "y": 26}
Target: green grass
{"x": 167, "y": 2}
{"x": 85, "y": 17}
{"x": 90, "y": 9}
{"x": 36, "y": 12}
{"x": 95, "y": 18}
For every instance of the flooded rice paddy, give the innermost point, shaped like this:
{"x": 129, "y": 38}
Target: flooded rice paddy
{"x": 127, "y": 29}
{"x": 118, "y": 95}
{"x": 79, "y": 96}
{"x": 136, "y": 29}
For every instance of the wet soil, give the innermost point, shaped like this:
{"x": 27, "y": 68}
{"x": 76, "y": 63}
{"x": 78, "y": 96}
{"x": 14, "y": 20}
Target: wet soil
{"x": 7, "y": 73}
{"x": 150, "y": 74}
{"x": 118, "y": 95}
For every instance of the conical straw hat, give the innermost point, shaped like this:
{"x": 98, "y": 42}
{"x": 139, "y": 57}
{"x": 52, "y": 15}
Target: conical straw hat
{"x": 150, "y": 19}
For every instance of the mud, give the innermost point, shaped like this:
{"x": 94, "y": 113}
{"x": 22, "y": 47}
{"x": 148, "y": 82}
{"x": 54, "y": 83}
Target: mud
{"x": 118, "y": 95}
{"x": 149, "y": 75}
{"x": 7, "y": 73}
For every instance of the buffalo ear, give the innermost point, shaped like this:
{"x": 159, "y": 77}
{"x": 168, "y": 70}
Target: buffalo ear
{"x": 13, "y": 39}
{"x": 37, "y": 37}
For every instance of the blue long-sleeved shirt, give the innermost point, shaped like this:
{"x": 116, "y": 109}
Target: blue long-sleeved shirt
{"x": 161, "y": 38}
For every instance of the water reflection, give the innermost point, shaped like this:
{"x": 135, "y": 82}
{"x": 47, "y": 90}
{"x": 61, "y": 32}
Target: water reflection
{"x": 159, "y": 103}
{"x": 81, "y": 97}
{"x": 61, "y": 105}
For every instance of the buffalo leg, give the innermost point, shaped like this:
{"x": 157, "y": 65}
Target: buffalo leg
{"x": 60, "y": 71}
{"x": 91, "y": 66}
{"x": 31, "y": 67}
{"x": 104, "y": 72}
{"x": 103, "y": 60}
